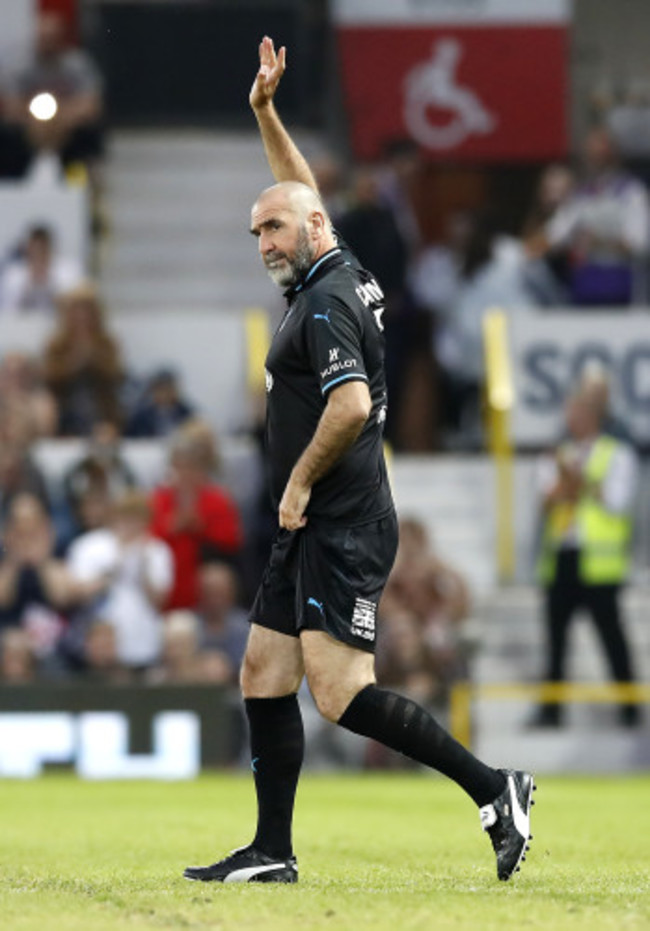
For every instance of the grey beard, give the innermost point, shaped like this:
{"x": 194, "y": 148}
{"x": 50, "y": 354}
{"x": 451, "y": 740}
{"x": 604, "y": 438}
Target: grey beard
{"x": 296, "y": 268}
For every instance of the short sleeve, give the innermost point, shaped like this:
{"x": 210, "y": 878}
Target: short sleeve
{"x": 333, "y": 336}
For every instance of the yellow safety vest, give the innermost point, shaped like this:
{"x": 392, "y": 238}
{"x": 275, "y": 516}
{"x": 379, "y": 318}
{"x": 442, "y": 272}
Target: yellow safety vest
{"x": 603, "y": 537}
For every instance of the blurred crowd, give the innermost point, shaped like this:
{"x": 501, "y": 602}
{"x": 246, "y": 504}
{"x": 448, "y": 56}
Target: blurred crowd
{"x": 111, "y": 577}
{"x": 583, "y": 243}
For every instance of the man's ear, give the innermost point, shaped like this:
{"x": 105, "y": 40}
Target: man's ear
{"x": 317, "y": 223}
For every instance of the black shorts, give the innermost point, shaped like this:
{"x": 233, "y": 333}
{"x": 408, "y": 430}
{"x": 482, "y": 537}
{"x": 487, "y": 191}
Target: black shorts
{"x": 329, "y": 579}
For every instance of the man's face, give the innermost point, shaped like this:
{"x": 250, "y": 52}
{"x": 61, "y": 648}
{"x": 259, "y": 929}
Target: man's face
{"x": 283, "y": 240}
{"x": 582, "y": 418}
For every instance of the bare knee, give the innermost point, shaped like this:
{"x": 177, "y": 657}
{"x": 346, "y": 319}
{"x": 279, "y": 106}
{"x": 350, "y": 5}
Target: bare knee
{"x": 251, "y": 675}
{"x": 332, "y": 698}
{"x": 272, "y": 665}
{"x": 335, "y": 672}
{"x": 333, "y": 692}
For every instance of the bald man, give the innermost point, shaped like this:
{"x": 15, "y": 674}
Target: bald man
{"x": 315, "y": 613}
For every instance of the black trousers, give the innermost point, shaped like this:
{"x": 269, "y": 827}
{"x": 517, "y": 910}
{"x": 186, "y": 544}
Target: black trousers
{"x": 564, "y": 597}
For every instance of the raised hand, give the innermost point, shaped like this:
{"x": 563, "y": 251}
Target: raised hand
{"x": 268, "y": 77}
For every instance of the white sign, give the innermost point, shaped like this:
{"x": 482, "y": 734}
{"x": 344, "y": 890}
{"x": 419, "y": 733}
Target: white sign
{"x": 433, "y": 83}
{"x": 549, "y": 351}
{"x": 450, "y": 12}
{"x": 97, "y": 743}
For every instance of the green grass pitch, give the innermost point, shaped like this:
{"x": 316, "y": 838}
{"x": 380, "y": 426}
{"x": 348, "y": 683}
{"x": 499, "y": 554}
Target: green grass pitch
{"x": 379, "y": 852}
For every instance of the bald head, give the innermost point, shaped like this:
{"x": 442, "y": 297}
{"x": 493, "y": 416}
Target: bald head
{"x": 293, "y": 230}
{"x": 295, "y": 196}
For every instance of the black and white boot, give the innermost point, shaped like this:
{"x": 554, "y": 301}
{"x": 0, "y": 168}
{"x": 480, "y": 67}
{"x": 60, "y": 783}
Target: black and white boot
{"x": 246, "y": 865}
{"x": 507, "y": 821}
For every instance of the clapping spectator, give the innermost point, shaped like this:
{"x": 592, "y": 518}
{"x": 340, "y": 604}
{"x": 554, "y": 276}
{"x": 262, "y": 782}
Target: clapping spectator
{"x": 162, "y": 409}
{"x": 123, "y": 575}
{"x": 82, "y": 364}
{"x": 35, "y": 587}
{"x": 587, "y": 491}
{"x": 194, "y": 515}
{"x": 69, "y": 75}
{"x": 32, "y": 283}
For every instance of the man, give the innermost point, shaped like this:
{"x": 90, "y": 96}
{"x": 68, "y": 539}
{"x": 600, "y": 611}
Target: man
{"x": 587, "y": 492}
{"x": 34, "y": 282}
{"x": 315, "y": 610}
{"x": 72, "y": 78}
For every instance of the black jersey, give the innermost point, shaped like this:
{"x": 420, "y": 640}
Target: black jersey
{"x": 332, "y": 332}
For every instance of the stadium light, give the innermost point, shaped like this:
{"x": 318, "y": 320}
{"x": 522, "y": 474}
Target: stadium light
{"x": 43, "y": 106}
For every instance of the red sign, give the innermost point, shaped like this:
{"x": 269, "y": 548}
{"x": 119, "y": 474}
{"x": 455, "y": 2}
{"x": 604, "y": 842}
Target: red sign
{"x": 462, "y": 93}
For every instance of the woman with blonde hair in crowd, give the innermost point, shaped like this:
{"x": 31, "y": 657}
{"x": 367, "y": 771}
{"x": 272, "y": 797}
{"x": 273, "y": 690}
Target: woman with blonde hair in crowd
{"x": 82, "y": 364}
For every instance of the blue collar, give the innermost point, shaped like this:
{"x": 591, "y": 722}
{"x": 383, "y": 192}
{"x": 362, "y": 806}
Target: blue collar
{"x": 290, "y": 292}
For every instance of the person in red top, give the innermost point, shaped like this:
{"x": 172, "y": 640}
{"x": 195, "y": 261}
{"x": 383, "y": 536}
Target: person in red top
{"x": 193, "y": 515}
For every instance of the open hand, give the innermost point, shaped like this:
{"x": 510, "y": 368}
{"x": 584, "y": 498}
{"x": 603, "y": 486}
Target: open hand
{"x": 268, "y": 77}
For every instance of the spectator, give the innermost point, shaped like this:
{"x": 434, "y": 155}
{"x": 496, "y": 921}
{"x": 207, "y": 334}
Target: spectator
{"x": 628, "y": 119}
{"x": 547, "y": 273}
{"x": 181, "y": 660}
{"x": 224, "y": 626}
{"x": 17, "y": 660}
{"x": 98, "y": 478}
{"x": 587, "y": 492}
{"x": 21, "y": 386}
{"x": 70, "y": 76}
{"x": 19, "y": 474}
{"x": 101, "y": 664}
{"x": 329, "y": 176}
{"x": 32, "y": 283}
{"x": 595, "y": 387}
{"x": 427, "y": 590}
{"x": 603, "y": 228}
{"x": 404, "y": 661}
{"x": 162, "y": 410}
{"x": 398, "y": 180}
{"x": 195, "y": 516}
{"x": 436, "y": 275}
{"x": 82, "y": 364}
{"x": 35, "y": 588}
{"x": 123, "y": 576}
{"x": 491, "y": 275}
{"x": 370, "y": 228}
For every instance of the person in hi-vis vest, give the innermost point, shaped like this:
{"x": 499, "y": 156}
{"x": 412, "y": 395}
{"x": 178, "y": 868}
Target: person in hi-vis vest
{"x": 588, "y": 490}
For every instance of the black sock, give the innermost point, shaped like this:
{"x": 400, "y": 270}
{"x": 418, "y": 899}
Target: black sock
{"x": 402, "y": 725}
{"x": 277, "y": 749}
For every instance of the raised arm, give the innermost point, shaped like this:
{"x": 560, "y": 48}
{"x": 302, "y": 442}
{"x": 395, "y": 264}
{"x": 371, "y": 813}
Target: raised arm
{"x": 285, "y": 160}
